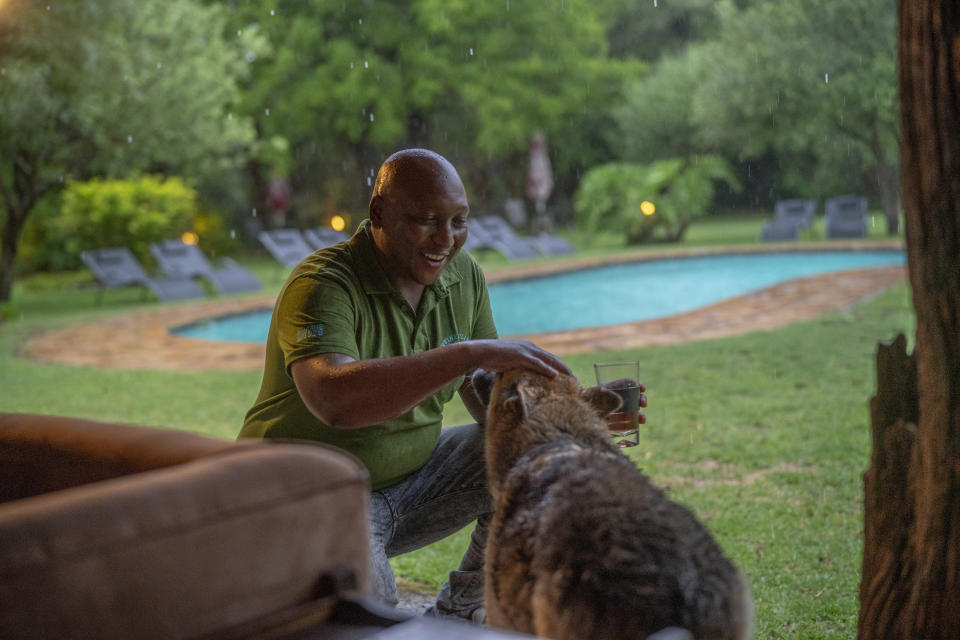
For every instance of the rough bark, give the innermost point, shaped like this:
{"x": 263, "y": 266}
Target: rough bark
{"x": 911, "y": 564}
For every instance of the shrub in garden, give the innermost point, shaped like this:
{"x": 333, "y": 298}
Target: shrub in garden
{"x": 124, "y": 213}
{"x": 612, "y": 196}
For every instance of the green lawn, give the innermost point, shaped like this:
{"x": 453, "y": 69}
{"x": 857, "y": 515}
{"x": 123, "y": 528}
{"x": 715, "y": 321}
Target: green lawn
{"x": 764, "y": 435}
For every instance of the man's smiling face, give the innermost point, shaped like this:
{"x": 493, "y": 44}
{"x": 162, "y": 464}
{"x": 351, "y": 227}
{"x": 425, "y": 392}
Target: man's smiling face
{"x": 419, "y": 223}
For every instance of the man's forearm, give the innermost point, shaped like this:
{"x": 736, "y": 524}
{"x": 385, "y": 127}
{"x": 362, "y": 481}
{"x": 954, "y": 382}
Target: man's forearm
{"x": 360, "y": 393}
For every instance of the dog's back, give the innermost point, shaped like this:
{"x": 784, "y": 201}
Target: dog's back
{"x": 582, "y": 544}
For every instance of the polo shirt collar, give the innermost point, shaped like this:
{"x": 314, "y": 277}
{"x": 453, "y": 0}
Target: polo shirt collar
{"x": 375, "y": 280}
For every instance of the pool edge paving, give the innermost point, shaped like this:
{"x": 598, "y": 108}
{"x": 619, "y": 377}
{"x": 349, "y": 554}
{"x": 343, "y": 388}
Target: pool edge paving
{"x": 143, "y": 341}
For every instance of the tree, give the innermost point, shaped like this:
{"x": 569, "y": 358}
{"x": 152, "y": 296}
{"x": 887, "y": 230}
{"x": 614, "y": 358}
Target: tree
{"x": 910, "y": 585}
{"x": 807, "y": 78}
{"x": 350, "y": 82}
{"x": 108, "y": 87}
{"x": 809, "y": 84}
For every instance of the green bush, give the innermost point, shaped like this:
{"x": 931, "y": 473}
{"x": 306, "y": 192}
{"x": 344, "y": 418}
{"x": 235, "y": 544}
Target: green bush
{"x": 125, "y": 213}
{"x": 681, "y": 189}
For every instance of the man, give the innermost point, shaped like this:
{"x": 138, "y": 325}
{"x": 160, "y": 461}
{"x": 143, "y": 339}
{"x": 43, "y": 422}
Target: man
{"x": 369, "y": 339}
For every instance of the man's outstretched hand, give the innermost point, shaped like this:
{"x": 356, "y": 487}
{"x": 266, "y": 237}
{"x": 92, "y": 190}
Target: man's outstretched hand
{"x": 503, "y": 355}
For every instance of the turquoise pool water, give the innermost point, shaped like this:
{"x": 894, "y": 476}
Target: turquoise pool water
{"x": 613, "y": 294}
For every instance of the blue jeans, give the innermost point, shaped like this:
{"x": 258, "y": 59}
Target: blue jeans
{"x": 445, "y": 495}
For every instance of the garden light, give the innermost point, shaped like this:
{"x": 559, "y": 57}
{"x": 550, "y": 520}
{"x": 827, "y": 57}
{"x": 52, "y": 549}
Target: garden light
{"x": 647, "y": 208}
{"x": 338, "y": 223}
{"x": 189, "y": 238}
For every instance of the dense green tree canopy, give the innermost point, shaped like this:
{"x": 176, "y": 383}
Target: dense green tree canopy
{"x": 107, "y": 87}
{"x": 810, "y": 81}
{"x": 350, "y": 82}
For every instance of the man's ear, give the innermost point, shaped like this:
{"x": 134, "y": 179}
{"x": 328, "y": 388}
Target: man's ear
{"x": 482, "y": 383}
{"x": 376, "y": 211}
{"x": 602, "y": 400}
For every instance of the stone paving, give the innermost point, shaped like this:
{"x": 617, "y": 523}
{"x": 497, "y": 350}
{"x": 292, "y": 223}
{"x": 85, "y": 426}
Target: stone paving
{"x": 143, "y": 340}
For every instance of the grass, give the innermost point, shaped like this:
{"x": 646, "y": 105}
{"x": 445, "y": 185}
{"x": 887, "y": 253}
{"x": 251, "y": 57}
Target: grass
{"x": 765, "y": 436}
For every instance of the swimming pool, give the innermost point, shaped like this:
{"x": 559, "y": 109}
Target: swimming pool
{"x": 614, "y": 294}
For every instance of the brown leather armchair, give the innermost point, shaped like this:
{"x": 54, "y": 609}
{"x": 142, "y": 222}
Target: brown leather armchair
{"x": 120, "y": 531}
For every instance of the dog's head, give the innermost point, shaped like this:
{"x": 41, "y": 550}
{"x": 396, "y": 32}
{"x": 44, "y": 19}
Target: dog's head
{"x": 548, "y": 408}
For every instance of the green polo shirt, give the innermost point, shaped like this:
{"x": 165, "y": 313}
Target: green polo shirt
{"x": 339, "y": 300}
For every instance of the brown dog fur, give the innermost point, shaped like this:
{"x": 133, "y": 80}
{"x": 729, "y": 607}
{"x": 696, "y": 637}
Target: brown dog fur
{"x": 582, "y": 544}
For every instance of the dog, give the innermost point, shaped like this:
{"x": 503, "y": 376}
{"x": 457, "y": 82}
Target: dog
{"x": 582, "y": 545}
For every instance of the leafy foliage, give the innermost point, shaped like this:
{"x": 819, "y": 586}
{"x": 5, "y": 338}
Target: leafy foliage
{"x": 103, "y": 88}
{"x": 807, "y": 84}
{"x": 681, "y": 189}
{"x": 349, "y": 83}
{"x": 124, "y": 213}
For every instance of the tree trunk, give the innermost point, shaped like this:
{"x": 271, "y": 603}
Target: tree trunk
{"x": 8, "y": 253}
{"x": 910, "y": 586}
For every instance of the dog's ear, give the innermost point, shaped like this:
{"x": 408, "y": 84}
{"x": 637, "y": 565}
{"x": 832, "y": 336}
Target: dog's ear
{"x": 602, "y": 400}
{"x": 481, "y": 382}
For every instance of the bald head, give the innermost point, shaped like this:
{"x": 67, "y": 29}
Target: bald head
{"x": 410, "y": 171}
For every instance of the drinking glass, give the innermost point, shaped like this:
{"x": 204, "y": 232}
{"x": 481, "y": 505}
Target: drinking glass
{"x": 621, "y": 378}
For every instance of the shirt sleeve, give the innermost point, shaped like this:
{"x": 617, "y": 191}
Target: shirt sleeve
{"x": 314, "y": 316}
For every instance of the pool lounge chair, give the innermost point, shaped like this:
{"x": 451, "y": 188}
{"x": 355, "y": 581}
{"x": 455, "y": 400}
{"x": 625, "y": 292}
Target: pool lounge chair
{"x": 322, "y": 237}
{"x": 789, "y": 218}
{"x": 779, "y": 230}
{"x": 846, "y": 217}
{"x": 798, "y": 211}
{"x": 288, "y": 246}
{"x": 496, "y": 233}
{"x": 116, "y": 268}
{"x": 187, "y": 261}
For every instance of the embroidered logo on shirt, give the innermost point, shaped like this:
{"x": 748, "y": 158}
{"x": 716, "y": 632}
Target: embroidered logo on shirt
{"x": 312, "y": 331}
{"x": 456, "y": 337}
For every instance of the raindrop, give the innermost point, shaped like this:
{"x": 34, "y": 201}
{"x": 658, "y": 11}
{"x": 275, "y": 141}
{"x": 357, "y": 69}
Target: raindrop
{"x": 369, "y": 181}
{"x": 129, "y": 139}
{"x": 254, "y": 213}
{"x": 233, "y": 232}
{"x": 359, "y": 20}
{"x": 371, "y": 117}
{"x": 239, "y": 32}
{"x": 61, "y": 179}
{"x": 271, "y": 13}
{"x": 159, "y": 65}
{"x": 366, "y": 65}
{"x": 229, "y": 116}
{"x": 251, "y": 56}
{"x": 826, "y": 77}
{"x": 266, "y": 111}
{"x": 471, "y": 50}
{"x": 654, "y": 4}
{"x": 351, "y": 65}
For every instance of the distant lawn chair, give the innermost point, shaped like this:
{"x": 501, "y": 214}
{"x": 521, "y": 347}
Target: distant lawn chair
{"x": 116, "y": 268}
{"x": 774, "y": 230}
{"x": 288, "y": 246}
{"x": 789, "y": 218}
{"x": 188, "y": 261}
{"x": 496, "y": 233}
{"x": 551, "y": 245}
{"x": 323, "y": 237}
{"x": 846, "y": 217}
{"x": 800, "y": 212}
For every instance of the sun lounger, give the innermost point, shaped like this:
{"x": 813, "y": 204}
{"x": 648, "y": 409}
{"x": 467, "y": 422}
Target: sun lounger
{"x": 288, "y": 246}
{"x": 798, "y": 211}
{"x": 551, "y": 245}
{"x": 789, "y": 218}
{"x": 846, "y": 217}
{"x": 322, "y": 237}
{"x": 188, "y": 261}
{"x": 779, "y": 230}
{"x": 499, "y": 235}
{"x": 116, "y": 268}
